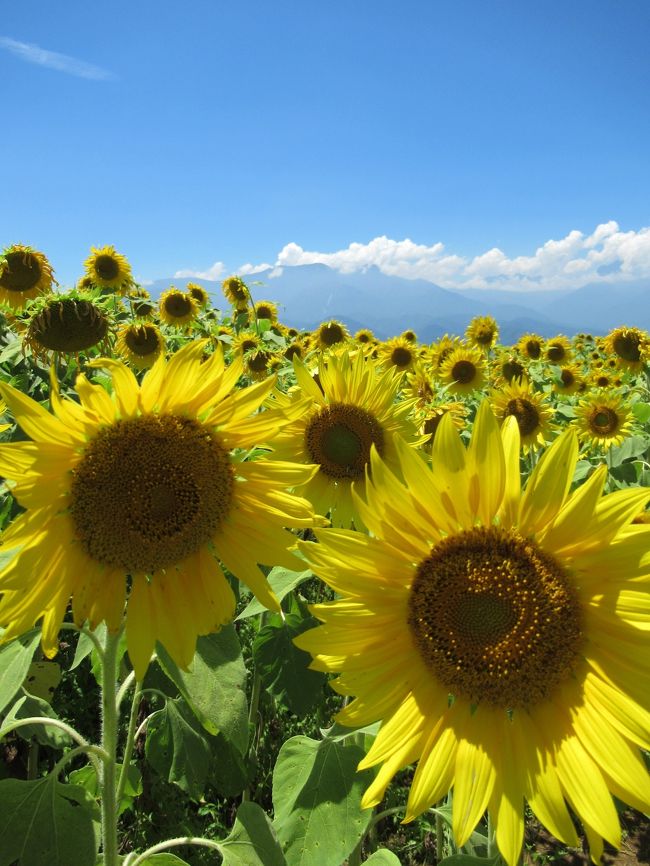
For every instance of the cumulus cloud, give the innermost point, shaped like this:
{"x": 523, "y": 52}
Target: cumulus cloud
{"x": 607, "y": 255}
{"x": 213, "y": 272}
{"x": 53, "y": 60}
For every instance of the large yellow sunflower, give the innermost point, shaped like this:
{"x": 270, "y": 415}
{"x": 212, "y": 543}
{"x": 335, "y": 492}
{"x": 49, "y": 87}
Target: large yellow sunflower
{"x": 500, "y": 637}
{"x": 531, "y": 345}
{"x": 399, "y": 353}
{"x": 353, "y": 407}
{"x": 25, "y": 274}
{"x": 177, "y": 307}
{"x": 463, "y": 370}
{"x": 531, "y": 410}
{"x": 140, "y": 343}
{"x": 630, "y": 346}
{"x": 143, "y": 491}
{"x": 482, "y": 331}
{"x": 603, "y": 420}
{"x": 108, "y": 269}
{"x": 66, "y": 325}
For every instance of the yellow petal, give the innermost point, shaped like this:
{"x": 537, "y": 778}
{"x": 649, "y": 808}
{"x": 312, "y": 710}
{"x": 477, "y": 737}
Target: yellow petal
{"x": 549, "y": 484}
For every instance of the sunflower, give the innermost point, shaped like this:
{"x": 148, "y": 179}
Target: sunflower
{"x": 352, "y": 408}
{"x": 558, "y": 350}
{"x": 568, "y": 380}
{"x": 531, "y": 411}
{"x": 259, "y": 363}
{"x": 420, "y": 386}
{"x": 365, "y": 336}
{"x": 177, "y": 308}
{"x": 66, "y": 325}
{"x": 441, "y": 350}
{"x": 140, "y": 301}
{"x": 482, "y": 331}
{"x": 295, "y": 349}
{"x": 499, "y": 637}
{"x": 409, "y": 335}
{"x": 509, "y": 367}
{"x": 329, "y": 334}
{"x": 631, "y": 346}
{"x": 463, "y": 370}
{"x": 141, "y": 490}
{"x": 246, "y": 341}
{"x": 140, "y": 343}
{"x": 266, "y": 310}
{"x": 433, "y": 415}
{"x": 236, "y": 292}
{"x": 531, "y": 346}
{"x": 108, "y": 269}
{"x": 398, "y": 353}
{"x": 199, "y": 294}
{"x": 603, "y": 420}
{"x": 25, "y": 273}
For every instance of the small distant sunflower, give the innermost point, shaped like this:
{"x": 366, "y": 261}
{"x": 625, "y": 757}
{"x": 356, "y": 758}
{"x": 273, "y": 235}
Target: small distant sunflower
{"x": 141, "y": 303}
{"x": 131, "y": 497}
{"x": 246, "y": 341}
{"x": 409, "y": 335}
{"x": 433, "y": 415}
{"x": 236, "y": 292}
{"x": 140, "y": 343}
{"x": 531, "y": 411}
{"x": 420, "y": 386}
{"x": 569, "y": 380}
{"x": 631, "y": 346}
{"x": 441, "y": 350}
{"x": 25, "y": 273}
{"x": 399, "y": 353}
{"x": 295, "y": 349}
{"x": 558, "y": 350}
{"x": 482, "y": 331}
{"x": 259, "y": 363}
{"x": 199, "y": 294}
{"x": 498, "y": 635}
{"x": 267, "y": 310}
{"x": 352, "y": 409}
{"x": 603, "y": 420}
{"x": 330, "y": 334}
{"x": 463, "y": 371}
{"x": 531, "y": 346}
{"x": 66, "y": 325}
{"x": 108, "y": 269}
{"x": 602, "y": 379}
{"x": 177, "y": 307}
{"x": 510, "y": 367}
{"x": 364, "y": 336}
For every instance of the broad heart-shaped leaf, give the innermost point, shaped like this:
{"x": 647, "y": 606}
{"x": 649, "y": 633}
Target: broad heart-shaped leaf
{"x": 283, "y": 668}
{"x": 317, "y": 800}
{"x": 383, "y": 857}
{"x": 47, "y": 735}
{"x": 177, "y": 748}
{"x": 252, "y": 841}
{"x": 281, "y": 581}
{"x": 15, "y": 659}
{"x": 215, "y": 685}
{"x": 633, "y": 446}
{"x": 87, "y": 778}
{"x": 45, "y": 823}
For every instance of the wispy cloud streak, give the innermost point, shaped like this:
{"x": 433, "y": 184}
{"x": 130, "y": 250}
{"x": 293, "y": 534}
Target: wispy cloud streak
{"x": 53, "y": 60}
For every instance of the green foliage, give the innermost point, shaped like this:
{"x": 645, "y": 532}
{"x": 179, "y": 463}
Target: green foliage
{"x": 15, "y": 659}
{"x": 252, "y": 841}
{"x": 383, "y": 857}
{"x": 282, "y": 582}
{"x": 29, "y": 706}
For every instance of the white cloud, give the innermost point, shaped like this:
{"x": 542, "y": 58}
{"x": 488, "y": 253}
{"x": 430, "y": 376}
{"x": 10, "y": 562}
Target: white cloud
{"x": 213, "y": 272}
{"x": 53, "y": 60}
{"x": 608, "y": 255}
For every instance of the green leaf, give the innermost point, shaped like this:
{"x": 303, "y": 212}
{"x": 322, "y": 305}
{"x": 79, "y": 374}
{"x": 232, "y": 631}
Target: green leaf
{"x": 283, "y": 668}
{"x": 215, "y": 685}
{"x": 633, "y": 446}
{"x": 469, "y": 860}
{"x": 281, "y": 581}
{"x": 229, "y": 773}
{"x": 641, "y": 412}
{"x": 383, "y": 857}
{"x": 42, "y": 679}
{"x": 46, "y": 735}
{"x": 86, "y": 777}
{"x": 164, "y": 859}
{"x": 45, "y": 823}
{"x": 15, "y": 659}
{"x": 177, "y": 748}
{"x": 252, "y": 841}
{"x": 317, "y": 800}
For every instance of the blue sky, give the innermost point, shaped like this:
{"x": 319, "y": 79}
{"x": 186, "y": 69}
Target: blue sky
{"x": 199, "y": 137}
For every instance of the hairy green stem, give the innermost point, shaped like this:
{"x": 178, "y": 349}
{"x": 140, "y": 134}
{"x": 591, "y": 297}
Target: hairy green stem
{"x": 171, "y": 843}
{"x": 254, "y": 710}
{"x": 109, "y": 744}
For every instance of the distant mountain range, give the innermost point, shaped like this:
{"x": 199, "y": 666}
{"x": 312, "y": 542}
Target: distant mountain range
{"x": 310, "y": 294}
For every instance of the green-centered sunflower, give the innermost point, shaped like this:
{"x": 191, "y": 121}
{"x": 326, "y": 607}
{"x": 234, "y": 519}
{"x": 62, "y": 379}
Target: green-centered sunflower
{"x": 108, "y": 269}
{"x": 500, "y": 636}
{"x": 530, "y": 409}
{"x": 134, "y": 498}
{"x": 177, "y": 307}
{"x": 140, "y": 343}
{"x": 25, "y": 273}
{"x": 66, "y": 325}
{"x": 603, "y": 419}
{"x": 399, "y": 353}
{"x": 482, "y": 331}
{"x": 531, "y": 346}
{"x": 630, "y": 346}
{"x": 463, "y": 370}
{"x": 353, "y": 407}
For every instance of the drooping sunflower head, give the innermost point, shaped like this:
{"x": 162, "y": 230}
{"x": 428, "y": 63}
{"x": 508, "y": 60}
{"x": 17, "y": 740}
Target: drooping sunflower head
{"x": 603, "y": 420}
{"x": 177, "y": 307}
{"x": 140, "y": 343}
{"x": 25, "y": 273}
{"x": 558, "y": 350}
{"x": 531, "y": 410}
{"x": 463, "y": 370}
{"x": 330, "y": 334}
{"x": 531, "y": 346}
{"x": 108, "y": 269}
{"x": 199, "y": 294}
{"x": 399, "y": 353}
{"x": 267, "y": 310}
{"x": 482, "y": 331}
{"x": 630, "y": 346}
{"x": 66, "y": 325}
{"x": 236, "y": 292}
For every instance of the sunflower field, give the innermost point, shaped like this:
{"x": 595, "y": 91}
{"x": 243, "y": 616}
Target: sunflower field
{"x": 271, "y": 597}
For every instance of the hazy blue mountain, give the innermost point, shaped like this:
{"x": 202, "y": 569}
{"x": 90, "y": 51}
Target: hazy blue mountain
{"x": 310, "y": 294}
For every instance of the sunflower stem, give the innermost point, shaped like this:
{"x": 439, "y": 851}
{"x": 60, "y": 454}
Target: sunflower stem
{"x": 130, "y": 739}
{"x": 440, "y": 837}
{"x": 253, "y": 721}
{"x": 109, "y": 745}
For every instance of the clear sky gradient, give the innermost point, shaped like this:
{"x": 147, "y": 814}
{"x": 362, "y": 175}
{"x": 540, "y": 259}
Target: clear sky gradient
{"x": 220, "y": 132}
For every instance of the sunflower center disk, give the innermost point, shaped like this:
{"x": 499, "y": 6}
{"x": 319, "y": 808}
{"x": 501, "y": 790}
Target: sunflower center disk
{"x": 150, "y": 491}
{"x": 495, "y": 618}
{"x": 605, "y": 420}
{"x": 401, "y": 357}
{"x": 22, "y": 272}
{"x": 339, "y": 438}
{"x": 178, "y": 305}
{"x": 142, "y": 339}
{"x": 525, "y": 413}
{"x": 107, "y": 267}
{"x": 463, "y": 372}
{"x": 627, "y": 348}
